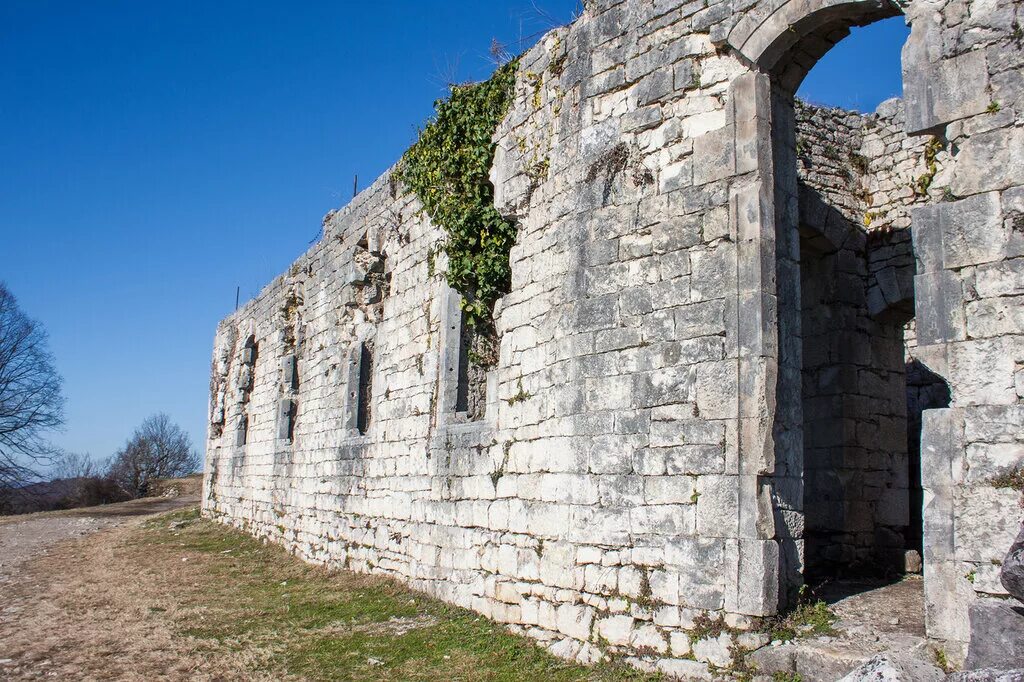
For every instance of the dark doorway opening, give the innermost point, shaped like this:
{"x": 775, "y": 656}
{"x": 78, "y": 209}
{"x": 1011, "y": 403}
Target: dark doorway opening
{"x": 926, "y": 390}
{"x": 857, "y": 470}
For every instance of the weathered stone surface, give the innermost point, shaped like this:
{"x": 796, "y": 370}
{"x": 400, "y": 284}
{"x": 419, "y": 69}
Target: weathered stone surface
{"x": 684, "y": 669}
{"x": 941, "y": 302}
{"x": 990, "y": 160}
{"x": 888, "y": 668}
{"x": 1012, "y": 573}
{"x": 997, "y": 635}
{"x": 988, "y": 675}
{"x": 940, "y": 92}
{"x": 811, "y": 664}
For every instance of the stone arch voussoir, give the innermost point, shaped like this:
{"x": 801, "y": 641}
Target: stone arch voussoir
{"x": 789, "y": 41}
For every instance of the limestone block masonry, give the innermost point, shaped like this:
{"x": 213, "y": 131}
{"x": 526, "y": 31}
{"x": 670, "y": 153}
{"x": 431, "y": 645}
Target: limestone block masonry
{"x": 769, "y": 343}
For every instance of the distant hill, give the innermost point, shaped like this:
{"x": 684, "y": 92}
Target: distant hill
{"x": 67, "y": 493}
{"x": 43, "y": 496}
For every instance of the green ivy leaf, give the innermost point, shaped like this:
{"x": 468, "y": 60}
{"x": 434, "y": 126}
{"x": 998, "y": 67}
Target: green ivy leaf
{"x": 448, "y": 170}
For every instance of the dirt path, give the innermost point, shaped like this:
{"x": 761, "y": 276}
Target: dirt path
{"x": 73, "y": 603}
{"x": 31, "y": 536}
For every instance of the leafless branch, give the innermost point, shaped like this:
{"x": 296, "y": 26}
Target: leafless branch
{"x": 159, "y": 448}
{"x": 499, "y": 54}
{"x": 31, "y": 404}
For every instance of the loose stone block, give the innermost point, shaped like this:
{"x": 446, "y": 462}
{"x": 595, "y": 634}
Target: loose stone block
{"x": 997, "y": 635}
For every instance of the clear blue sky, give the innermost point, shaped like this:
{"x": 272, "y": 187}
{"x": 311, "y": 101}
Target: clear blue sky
{"x": 157, "y": 154}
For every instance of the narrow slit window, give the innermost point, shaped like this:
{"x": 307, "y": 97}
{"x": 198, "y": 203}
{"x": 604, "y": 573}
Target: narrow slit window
{"x": 477, "y": 356}
{"x": 250, "y": 353}
{"x": 365, "y": 395}
{"x": 462, "y": 389}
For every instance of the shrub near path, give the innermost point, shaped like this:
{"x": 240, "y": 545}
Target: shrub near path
{"x": 178, "y": 597}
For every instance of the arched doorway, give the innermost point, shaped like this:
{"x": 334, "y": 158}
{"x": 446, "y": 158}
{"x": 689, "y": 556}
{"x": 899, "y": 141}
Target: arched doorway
{"x": 849, "y": 391}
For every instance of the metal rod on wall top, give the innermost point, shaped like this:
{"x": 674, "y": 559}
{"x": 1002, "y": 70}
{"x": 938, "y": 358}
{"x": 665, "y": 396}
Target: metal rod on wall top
{"x": 355, "y": 186}
{"x": 238, "y": 290}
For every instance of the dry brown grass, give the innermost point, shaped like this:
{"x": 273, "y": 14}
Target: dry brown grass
{"x": 89, "y": 611}
{"x": 176, "y": 487}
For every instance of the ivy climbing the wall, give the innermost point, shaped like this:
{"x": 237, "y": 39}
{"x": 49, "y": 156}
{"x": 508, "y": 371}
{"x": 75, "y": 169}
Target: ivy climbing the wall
{"x": 448, "y": 169}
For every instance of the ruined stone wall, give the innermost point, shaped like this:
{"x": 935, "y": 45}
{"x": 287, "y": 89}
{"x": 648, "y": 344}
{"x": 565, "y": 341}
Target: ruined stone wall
{"x": 639, "y": 460}
{"x": 969, "y": 265}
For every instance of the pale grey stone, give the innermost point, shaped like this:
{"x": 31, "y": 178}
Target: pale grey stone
{"x": 991, "y": 160}
{"x": 714, "y": 155}
{"x": 988, "y": 675}
{"x": 943, "y": 91}
{"x": 649, "y": 425}
{"x": 940, "y": 307}
{"x": 888, "y": 668}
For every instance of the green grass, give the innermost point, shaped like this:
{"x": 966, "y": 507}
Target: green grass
{"x": 808, "y": 619}
{"x": 780, "y": 676}
{"x": 324, "y": 625}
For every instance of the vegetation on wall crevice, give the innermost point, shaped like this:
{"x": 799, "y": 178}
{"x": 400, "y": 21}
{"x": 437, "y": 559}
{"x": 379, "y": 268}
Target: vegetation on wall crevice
{"x": 1013, "y": 479}
{"x": 931, "y": 153}
{"x": 448, "y": 169}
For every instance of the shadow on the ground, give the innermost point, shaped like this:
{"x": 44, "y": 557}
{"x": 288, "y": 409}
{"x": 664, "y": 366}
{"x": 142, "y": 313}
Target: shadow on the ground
{"x": 832, "y": 591}
{"x": 888, "y": 605}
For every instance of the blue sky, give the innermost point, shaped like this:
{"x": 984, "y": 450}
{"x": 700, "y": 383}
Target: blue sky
{"x": 156, "y": 155}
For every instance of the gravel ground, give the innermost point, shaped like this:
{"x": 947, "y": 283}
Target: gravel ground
{"x": 33, "y": 535}
{"x": 20, "y": 542}
{"x": 57, "y": 619}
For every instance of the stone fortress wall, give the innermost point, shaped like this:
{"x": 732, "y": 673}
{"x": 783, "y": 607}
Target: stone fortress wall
{"x": 716, "y": 311}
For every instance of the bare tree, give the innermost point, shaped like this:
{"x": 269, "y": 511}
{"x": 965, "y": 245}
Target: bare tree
{"x": 71, "y": 465}
{"x": 157, "y": 449}
{"x": 31, "y": 404}
{"x": 77, "y": 481}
